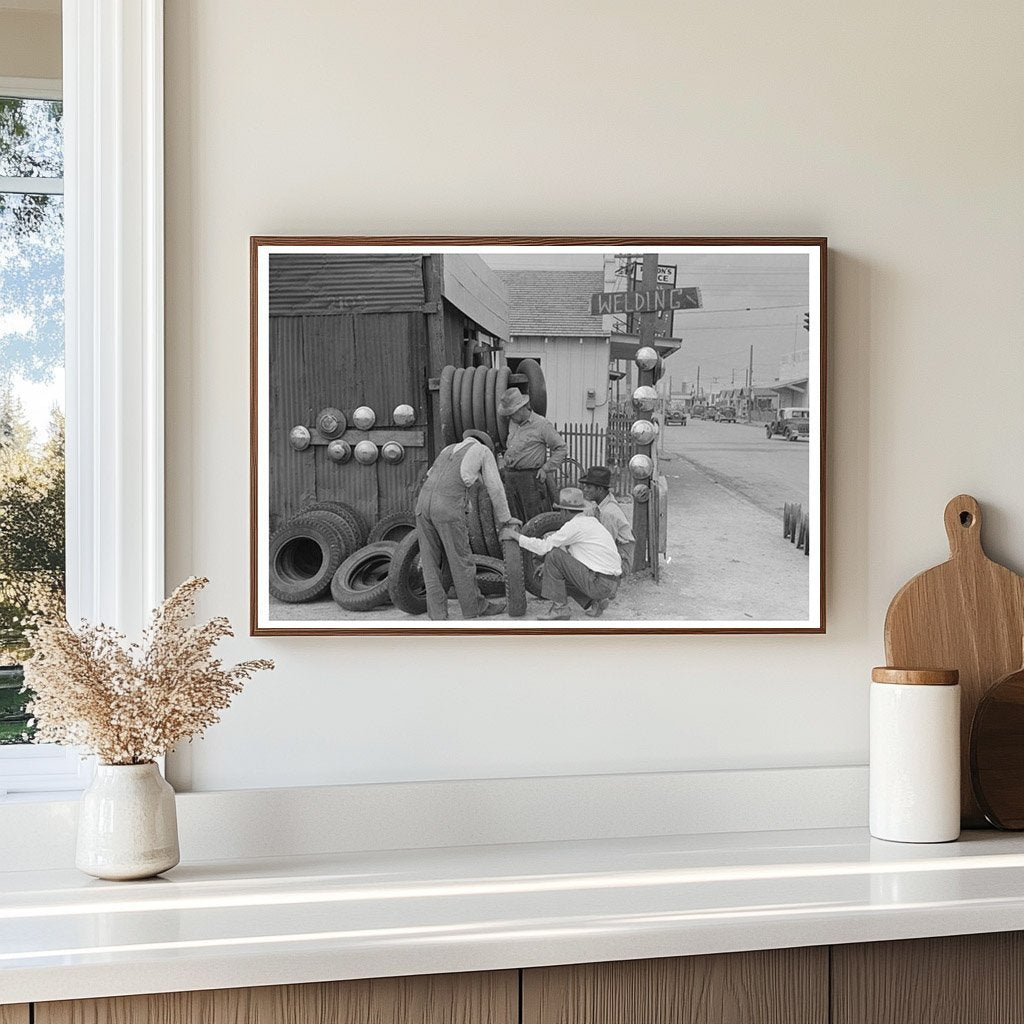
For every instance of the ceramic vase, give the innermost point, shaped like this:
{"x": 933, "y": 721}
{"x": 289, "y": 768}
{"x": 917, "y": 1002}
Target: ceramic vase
{"x": 127, "y": 825}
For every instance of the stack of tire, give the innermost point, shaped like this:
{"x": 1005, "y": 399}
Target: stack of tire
{"x": 309, "y": 548}
{"x": 468, "y": 398}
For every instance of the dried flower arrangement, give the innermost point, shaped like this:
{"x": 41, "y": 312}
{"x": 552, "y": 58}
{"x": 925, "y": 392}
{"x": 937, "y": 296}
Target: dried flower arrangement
{"x": 130, "y": 703}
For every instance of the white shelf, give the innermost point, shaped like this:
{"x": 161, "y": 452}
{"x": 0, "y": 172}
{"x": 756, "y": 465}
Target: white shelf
{"x": 353, "y": 915}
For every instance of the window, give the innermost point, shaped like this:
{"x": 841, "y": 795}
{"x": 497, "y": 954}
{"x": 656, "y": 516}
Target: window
{"x": 32, "y": 544}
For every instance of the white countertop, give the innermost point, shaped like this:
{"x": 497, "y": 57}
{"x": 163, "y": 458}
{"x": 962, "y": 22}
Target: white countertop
{"x": 224, "y": 924}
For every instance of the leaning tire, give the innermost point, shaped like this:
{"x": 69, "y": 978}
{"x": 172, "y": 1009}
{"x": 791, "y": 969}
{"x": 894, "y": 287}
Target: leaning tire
{"x": 406, "y": 588}
{"x": 393, "y": 527}
{"x": 515, "y": 583}
{"x": 305, "y": 554}
{"x": 488, "y": 525}
{"x": 355, "y": 520}
{"x": 536, "y": 389}
{"x": 361, "y": 582}
{"x": 539, "y": 526}
{"x": 490, "y": 575}
{"x": 477, "y": 544}
{"x": 444, "y": 407}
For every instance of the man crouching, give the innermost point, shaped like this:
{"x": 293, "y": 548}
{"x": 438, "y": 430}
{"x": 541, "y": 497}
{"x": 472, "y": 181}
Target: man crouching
{"x": 581, "y": 561}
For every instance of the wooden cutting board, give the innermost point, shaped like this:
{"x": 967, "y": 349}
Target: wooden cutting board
{"x": 967, "y": 614}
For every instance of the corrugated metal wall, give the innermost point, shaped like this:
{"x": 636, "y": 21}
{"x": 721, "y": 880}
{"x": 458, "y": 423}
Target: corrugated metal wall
{"x": 570, "y": 367}
{"x": 345, "y": 360}
{"x": 307, "y": 283}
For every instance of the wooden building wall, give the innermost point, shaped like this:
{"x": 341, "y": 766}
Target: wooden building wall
{"x": 570, "y": 365}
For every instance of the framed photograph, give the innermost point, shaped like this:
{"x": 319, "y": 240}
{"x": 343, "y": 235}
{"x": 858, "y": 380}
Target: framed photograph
{"x": 537, "y": 435}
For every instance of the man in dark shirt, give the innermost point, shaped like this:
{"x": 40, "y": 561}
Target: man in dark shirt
{"x": 534, "y": 450}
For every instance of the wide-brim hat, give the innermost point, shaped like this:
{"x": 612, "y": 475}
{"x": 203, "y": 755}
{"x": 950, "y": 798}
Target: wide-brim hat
{"x": 570, "y": 499}
{"x": 599, "y": 476}
{"x": 511, "y": 400}
{"x": 480, "y": 436}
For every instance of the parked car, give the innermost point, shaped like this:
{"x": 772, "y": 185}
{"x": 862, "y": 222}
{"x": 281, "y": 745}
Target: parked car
{"x": 793, "y": 424}
{"x": 675, "y": 414}
{"x": 725, "y": 414}
{"x": 699, "y": 412}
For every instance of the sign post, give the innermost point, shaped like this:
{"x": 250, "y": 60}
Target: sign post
{"x": 645, "y": 513}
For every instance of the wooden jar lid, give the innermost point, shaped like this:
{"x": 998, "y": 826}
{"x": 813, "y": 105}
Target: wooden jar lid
{"x": 916, "y": 676}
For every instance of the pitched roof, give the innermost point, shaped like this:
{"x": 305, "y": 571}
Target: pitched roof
{"x": 553, "y": 303}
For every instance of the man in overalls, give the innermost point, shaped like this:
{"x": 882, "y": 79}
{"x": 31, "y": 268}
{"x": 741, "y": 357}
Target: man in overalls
{"x": 441, "y": 523}
{"x": 534, "y": 450}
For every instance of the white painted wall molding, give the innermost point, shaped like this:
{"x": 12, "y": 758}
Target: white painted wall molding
{"x": 113, "y": 108}
{"x": 243, "y": 824}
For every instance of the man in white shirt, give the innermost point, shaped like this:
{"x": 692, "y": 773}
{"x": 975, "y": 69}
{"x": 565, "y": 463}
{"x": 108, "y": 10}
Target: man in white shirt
{"x": 581, "y": 561}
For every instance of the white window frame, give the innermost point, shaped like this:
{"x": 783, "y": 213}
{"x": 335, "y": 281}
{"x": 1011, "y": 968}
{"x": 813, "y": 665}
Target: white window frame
{"x": 114, "y": 326}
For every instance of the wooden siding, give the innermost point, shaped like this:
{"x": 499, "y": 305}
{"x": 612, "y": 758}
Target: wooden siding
{"x": 471, "y": 286}
{"x": 570, "y": 365}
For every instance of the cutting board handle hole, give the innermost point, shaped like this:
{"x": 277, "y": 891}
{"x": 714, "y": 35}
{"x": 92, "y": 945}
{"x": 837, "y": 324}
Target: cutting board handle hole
{"x": 966, "y": 519}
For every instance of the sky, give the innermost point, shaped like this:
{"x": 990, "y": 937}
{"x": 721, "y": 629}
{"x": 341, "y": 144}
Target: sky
{"x": 747, "y": 299}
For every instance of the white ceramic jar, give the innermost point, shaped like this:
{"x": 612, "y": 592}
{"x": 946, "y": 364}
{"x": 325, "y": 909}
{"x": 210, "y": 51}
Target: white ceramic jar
{"x": 127, "y": 824}
{"x": 915, "y": 755}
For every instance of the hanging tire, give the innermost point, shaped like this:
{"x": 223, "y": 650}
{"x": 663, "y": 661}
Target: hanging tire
{"x": 457, "y": 401}
{"x": 500, "y": 387}
{"x": 539, "y": 526}
{"x": 479, "y": 398}
{"x": 477, "y": 544}
{"x": 444, "y": 407}
{"x": 466, "y": 400}
{"x": 304, "y": 556}
{"x": 359, "y": 525}
{"x": 393, "y": 527}
{"x": 488, "y": 525}
{"x": 361, "y": 582}
{"x": 536, "y": 389}
{"x": 515, "y": 582}
{"x": 491, "y": 404}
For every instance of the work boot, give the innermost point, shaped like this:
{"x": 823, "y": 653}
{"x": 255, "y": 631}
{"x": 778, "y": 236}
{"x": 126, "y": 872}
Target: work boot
{"x": 493, "y": 608}
{"x": 556, "y": 611}
{"x": 596, "y": 608}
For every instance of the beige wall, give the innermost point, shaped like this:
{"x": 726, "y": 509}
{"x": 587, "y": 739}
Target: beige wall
{"x": 895, "y": 129}
{"x": 29, "y": 44}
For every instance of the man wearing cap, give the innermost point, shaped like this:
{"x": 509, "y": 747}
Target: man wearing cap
{"x": 533, "y": 450}
{"x": 580, "y": 561}
{"x": 597, "y": 488}
{"x": 441, "y": 523}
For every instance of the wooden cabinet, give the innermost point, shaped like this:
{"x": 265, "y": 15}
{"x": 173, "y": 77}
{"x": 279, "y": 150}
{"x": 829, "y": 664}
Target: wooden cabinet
{"x": 481, "y": 998}
{"x": 962, "y": 979}
{"x": 777, "y": 986}
{"x": 966, "y": 979}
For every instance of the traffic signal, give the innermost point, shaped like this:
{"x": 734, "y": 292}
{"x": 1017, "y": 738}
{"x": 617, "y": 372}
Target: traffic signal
{"x": 807, "y": 321}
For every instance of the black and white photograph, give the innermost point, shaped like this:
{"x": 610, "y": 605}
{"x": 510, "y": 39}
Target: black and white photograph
{"x": 540, "y": 435}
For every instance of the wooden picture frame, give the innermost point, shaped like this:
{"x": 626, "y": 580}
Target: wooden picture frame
{"x": 738, "y": 330}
